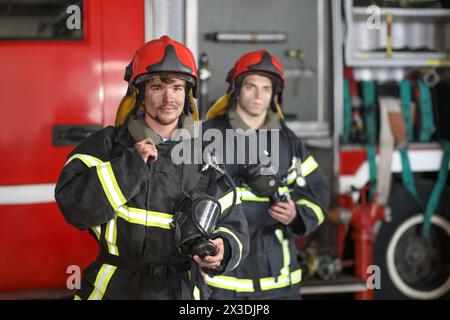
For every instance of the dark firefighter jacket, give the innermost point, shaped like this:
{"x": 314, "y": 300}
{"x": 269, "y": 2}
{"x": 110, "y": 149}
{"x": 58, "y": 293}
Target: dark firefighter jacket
{"x": 127, "y": 205}
{"x": 271, "y": 269}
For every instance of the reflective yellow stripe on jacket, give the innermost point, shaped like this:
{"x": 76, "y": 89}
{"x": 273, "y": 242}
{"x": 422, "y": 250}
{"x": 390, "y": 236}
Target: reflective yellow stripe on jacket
{"x": 247, "y": 195}
{"x": 307, "y": 167}
{"x": 113, "y": 193}
{"x": 97, "y": 231}
{"x": 111, "y": 236}
{"x": 285, "y": 278}
{"x": 227, "y": 231}
{"x": 227, "y": 200}
{"x": 101, "y": 281}
{"x": 145, "y": 218}
{"x": 314, "y": 207}
{"x": 106, "y": 177}
{"x": 230, "y": 283}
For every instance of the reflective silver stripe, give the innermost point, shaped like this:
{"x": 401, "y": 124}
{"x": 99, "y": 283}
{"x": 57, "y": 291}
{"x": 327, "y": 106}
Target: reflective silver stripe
{"x": 308, "y": 166}
{"x": 230, "y": 283}
{"x": 145, "y": 218}
{"x": 286, "y": 254}
{"x": 227, "y": 201}
{"x": 88, "y": 160}
{"x": 314, "y": 207}
{"x": 110, "y": 186}
{"x": 196, "y": 293}
{"x": 285, "y": 278}
{"x": 292, "y": 176}
{"x": 106, "y": 176}
{"x": 101, "y": 281}
{"x": 246, "y": 285}
{"x": 227, "y": 231}
{"x": 97, "y": 231}
{"x": 281, "y": 281}
{"x": 111, "y": 236}
{"x": 296, "y": 276}
{"x": 113, "y": 193}
{"x": 247, "y": 195}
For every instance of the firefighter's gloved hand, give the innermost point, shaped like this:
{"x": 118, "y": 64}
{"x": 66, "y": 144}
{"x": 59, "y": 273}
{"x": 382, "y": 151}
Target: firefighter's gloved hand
{"x": 284, "y": 212}
{"x": 147, "y": 150}
{"x": 212, "y": 262}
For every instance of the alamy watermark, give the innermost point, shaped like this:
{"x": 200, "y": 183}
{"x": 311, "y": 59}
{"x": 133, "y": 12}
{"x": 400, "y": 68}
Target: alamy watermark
{"x": 236, "y": 146}
{"x": 73, "y": 21}
{"x": 374, "y": 280}
{"x": 74, "y": 279}
{"x": 374, "y": 20}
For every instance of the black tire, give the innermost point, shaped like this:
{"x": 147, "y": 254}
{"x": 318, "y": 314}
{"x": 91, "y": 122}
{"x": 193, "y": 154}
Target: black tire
{"x": 412, "y": 268}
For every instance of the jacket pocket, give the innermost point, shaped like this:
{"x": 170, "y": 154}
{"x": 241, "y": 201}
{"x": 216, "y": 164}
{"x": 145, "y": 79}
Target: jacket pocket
{"x": 273, "y": 255}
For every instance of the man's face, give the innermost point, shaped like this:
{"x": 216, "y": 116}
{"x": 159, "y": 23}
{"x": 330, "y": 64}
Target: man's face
{"x": 164, "y": 99}
{"x": 255, "y": 95}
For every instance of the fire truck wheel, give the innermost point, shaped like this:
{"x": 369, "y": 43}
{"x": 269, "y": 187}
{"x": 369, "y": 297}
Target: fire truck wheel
{"x": 413, "y": 267}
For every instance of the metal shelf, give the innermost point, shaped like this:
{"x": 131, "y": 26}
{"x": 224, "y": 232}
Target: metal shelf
{"x": 361, "y": 43}
{"x": 407, "y": 59}
{"x": 406, "y": 12}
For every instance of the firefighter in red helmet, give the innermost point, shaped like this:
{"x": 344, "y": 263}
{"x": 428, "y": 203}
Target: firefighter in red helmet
{"x": 158, "y": 222}
{"x": 288, "y": 200}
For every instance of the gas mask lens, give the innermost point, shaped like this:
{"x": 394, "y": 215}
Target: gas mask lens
{"x": 206, "y": 213}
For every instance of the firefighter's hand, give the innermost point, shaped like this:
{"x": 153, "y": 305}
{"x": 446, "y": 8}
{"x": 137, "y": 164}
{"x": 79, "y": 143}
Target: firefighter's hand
{"x": 212, "y": 262}
{"x": 283, "y": 212}
{"x": 147, "y": 150}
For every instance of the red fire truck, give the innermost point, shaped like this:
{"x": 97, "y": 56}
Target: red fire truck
{"x": 56, "y": 88}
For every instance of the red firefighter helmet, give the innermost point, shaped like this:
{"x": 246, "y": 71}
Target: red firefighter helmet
{"x": 257, "y": 61}
{"x": 162, "y": 55}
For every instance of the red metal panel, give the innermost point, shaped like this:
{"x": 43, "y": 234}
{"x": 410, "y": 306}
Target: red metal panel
{"x": 43, "y": 84}
{"x": 123, "y": 25}
{"x": 351, "y": 160}
{"x": 37, "y": 246}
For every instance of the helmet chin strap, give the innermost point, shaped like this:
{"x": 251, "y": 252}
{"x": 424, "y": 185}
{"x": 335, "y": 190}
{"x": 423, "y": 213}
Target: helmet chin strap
{"x": 190, "y": 107}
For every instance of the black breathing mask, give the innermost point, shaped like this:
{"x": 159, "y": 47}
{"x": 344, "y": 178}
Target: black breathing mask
{"x": 195, "y": 219}
{"x": 263, "y": 181}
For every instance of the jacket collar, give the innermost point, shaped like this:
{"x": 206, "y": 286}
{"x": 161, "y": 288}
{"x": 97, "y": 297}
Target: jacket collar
{"x": 272, "y": 122}
{"x": 139, "y": 129}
